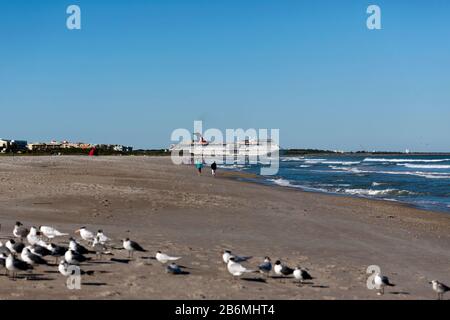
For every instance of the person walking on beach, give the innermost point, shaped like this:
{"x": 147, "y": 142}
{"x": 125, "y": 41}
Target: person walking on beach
{"x": 199, "y": 166}
{"x": 213, "y": 168}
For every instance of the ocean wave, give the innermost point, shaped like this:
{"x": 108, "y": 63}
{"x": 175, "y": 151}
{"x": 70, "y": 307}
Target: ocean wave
{"x": 428, "y": 175}
{"x": 403, "y": 160}
{"x": 314, "y": 161}
{"x": 424, "y": 166}
{"x": 287, "y": 159}
{"x": 344, "y": 163}
{"x": 281, "y": 182}
{"x": 374, "y": 193}
{"x": 304, "y": 166}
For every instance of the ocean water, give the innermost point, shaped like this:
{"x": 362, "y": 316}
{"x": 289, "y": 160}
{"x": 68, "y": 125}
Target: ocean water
{"x": 422, "y": 181}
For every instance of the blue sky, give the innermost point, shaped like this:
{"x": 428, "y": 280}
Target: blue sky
{"x": 140, "y": 68}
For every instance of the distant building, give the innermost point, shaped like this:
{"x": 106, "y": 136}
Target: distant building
{"x": 13, "y": 145}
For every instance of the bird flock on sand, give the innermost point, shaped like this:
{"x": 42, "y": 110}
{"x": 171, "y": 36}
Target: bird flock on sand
{"x": 31, "y": 247}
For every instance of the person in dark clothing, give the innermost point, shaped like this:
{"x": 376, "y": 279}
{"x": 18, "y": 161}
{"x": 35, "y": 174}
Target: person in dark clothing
{"x": 213, "y": 168}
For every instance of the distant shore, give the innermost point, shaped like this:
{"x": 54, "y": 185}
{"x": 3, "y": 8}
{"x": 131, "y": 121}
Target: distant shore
{"x": 170, "y": 208}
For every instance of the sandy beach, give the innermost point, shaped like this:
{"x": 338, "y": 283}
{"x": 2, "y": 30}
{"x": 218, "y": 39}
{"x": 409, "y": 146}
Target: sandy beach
{"x": 169, "y": 208}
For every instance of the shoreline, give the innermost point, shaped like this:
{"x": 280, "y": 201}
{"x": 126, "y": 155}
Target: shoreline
{"x": 169, "y": 208}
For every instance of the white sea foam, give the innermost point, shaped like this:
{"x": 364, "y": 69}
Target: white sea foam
{"x": 428, "y": 175}
{"x": 403, "y": 160}
{"x": 305, "y": 166}
{"x": 424, "y": 166}
{"x": 344, "y": 163}
{"x": 287, "y": 159}
{"x": 281, "y": 182}
{"x": 373, "y": 193}
{"x": 314, "y": 161}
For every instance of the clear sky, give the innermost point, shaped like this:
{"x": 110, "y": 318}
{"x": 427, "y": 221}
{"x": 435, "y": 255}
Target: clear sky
{"x": 140, "y": 68}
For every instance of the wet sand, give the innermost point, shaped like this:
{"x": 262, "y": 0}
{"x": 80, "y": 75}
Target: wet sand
{"x": 170, "y": 208}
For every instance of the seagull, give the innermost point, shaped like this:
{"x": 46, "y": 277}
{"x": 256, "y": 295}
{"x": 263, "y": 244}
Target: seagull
{"x": 20, "y": 231}
{"x": 173, "y": 269}
{"x": 64, "y": 267}
{"x": 236, "y": 269}
{"x": 132, "y": 246}
{"x": 439, "y": 288}
{"x": 31, "y": 258}
{"x": 50, "y": 232}
{"x": 301, "y": 275}
{"x": 282, "y": 270}
{"x": 227, "y": 254}
{"x": 4, "y": 249}
{"x": 33, "y": 237}
{"x": 266, "y": 266}
{"x": 381, "y": 282}
{"x": 75, "y": 258}
{"x": 85, "y": 234}
{"x": 14, "y": 265}
{"x": 164, "y": 258}
{"x": 40, "y": 250}
{"x": 102, "y": 238}
{"x": 56, "y": 251}
{"x": 100, "y": 248}
{"x": 75, "y": 246}
{"x": 14, "y": 247}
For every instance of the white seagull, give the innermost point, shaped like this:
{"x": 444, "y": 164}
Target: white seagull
{"x": 132, "y": 246}
{"x": 50, "y": 232}
{"x": 164, "y": 258}
{"x": 301, "y": 275}
{"x": 381, "y": 282}
{"x": 20, "y": 231}
{"x": 227, "y": 254}
{"x": 15, "y": 265}
{"x": 85, "y": 234}
{"x": 33, "y": 237}
{"x": 266, "y": 266}
{"x": 102, "y": 238}
{"x": 282, "y": 270}
{"x": 236, "y": 269}
{"x": 31, "y": 258}
{"x": 439, "y": 288}
{"x": 75, "y": 258}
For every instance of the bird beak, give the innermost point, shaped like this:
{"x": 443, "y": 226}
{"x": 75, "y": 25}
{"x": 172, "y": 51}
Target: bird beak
{"x": 77, "y": 231}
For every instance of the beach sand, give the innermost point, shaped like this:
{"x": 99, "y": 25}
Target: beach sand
{"x": 169, "y": 208}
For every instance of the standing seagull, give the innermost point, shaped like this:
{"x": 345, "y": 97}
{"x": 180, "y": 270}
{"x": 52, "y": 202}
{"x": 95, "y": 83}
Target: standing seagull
{"x": 173, "y": 269}
{"x": 102, "y": 238}
{"x": 266, "y": 266}
{"x": 56, "y": 251}
{"x": 132, "y": 246}
{"x": 439, "y": 288}
{"x": 75, "y": 246}
{"x": 282, "y": 270}
{"x": 301, "y": 274}
{"x": 14, "y": 247}
{"x": 85, "y": 234}
{"x": 75, "y": 258}
{"x": 51, "y": 233}
{"x": 20, "y": 231}
{"x": 381, "y": 282}
{"x": 33, "y": 236}
{"x": 226, "y": 254}
{"x": 164, "y": 258}
{"x": 99, "y": 248}
{"x": 236, "y": 269}
{"x": 31, "y": 258}
{"x": 15, "y": 265}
